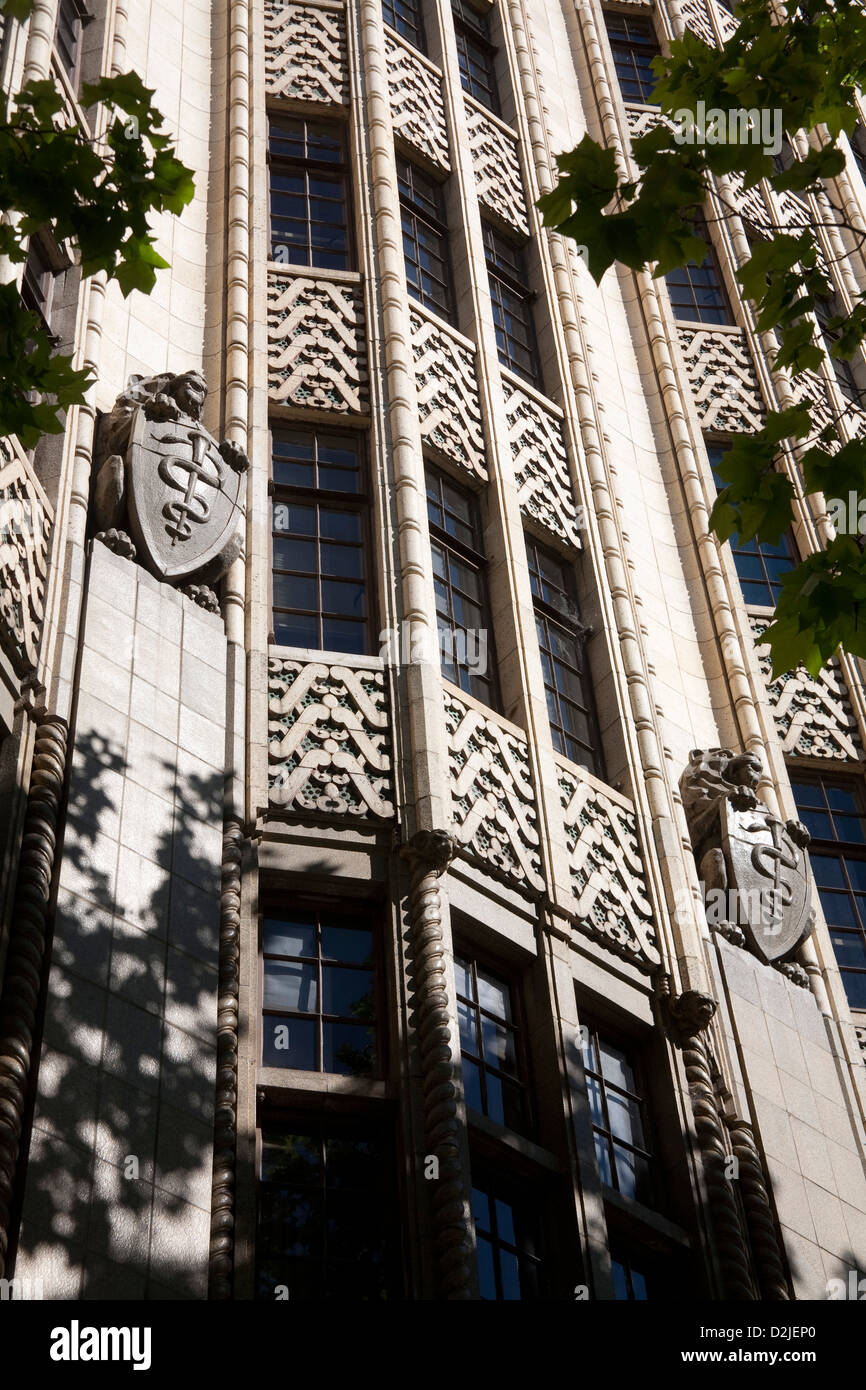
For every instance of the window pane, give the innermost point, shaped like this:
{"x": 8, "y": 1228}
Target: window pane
{"x": 290, "y": 985}
{"x": 295, "y": 936}
{"x": 289, "y": 1042}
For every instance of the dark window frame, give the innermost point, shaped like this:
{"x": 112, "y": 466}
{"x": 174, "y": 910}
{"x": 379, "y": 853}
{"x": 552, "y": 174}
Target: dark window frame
{"x": 826, "y": 309}
{"x": 641, "y": 1097}
{"x": 637, "y": 39}
{"x": 507, "y": 975}
{"x": 415, "y": 210}
{"x": 73, "y": 18}
{"x": 410, "y": 29}
{"x": 308, "y": 166}
{"x": 513, "y": 279}
{"x": 753, "y": 549}
{"x": 369, "y": 1127}
{"x": 475, "y": 48}
{"x": 499, "y": 1187}
{"x": 834, "y": 847}
{"x": 559, "y": 618}
{"x": 359, "y": 503}
{"x": 366, "y": 914}
{"x": 472, "y": 556}
{"x": 686, "y": 289}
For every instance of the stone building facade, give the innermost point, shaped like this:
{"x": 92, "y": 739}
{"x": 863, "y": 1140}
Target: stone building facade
{"x": 353, "y": 942}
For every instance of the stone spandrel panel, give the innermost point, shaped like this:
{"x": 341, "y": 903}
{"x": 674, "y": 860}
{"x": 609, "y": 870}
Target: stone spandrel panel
{"x": 641, "y": 119}
{"x": 696, "y": 17}
{"x": 447, "y": 388}
{"x": 722, "y": 377}
{"x": 608, "y": 878}
{"x": 417, "y": 109}
{"x": 317, "y": 353}
{"x": 329, "y": 740}
{"x": 813, "y": 714}
{"x": 305, "y": 53}
{"x": 496, "y": 167}
{"x": 493, "y": 799}
{"x": 26, "y": 519}
{"x": 540, "y": 464}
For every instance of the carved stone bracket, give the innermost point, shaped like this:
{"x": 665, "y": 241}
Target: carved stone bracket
{"x": 329, "y": 740}
{"x": 541, "y": 471}
{"x": 305, "y": 53}
{"x": 448, "y": 405}
{"x": 417, "y": 108}
{"x": 24, "y": 962}
{"x": 493, "y": 798}
{"x": 813, "y": 714}
{"x": 496, "y": 167}
{"x": 607, "y": 871}
{"x": 222, "y": 1224}
{"x": 722, "y": 378}
{"x": 317, "y": 354}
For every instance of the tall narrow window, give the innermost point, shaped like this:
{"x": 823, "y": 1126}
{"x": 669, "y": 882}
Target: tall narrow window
{"x": 475, "y": 54}
{"x": 462, "y": 610}
{"x": 321, "y": 589}
{"x": 72, "y": 16}
{"x": 696, "y": 291}
{"x": 405, "y": 16}
{"x": 634, "y": 45}
{"x": 562, "y": 643}
{"x": 319, "y": 992}
{"x": 825, "y": 310}
{"x": 508, "y": 1242}
{"x": 618, "y": 1119}
{"x": 491, "y": 1044}
{"x": 309, "y": 201}
{"x": 834, "y": 813}
{"x": 512, "y": 305}
{"x": 425, "y": 238}
{"x": 760, "y": 564}
{"x": 37, "y": 284}
{"x": 325, "y": 1212}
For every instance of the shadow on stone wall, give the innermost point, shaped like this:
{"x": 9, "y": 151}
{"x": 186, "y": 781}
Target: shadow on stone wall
{"x": 117, "y": 1195}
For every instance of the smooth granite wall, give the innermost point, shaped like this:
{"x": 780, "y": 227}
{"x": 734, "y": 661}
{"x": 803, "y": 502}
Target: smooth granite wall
{"x": 117, "y": 1199}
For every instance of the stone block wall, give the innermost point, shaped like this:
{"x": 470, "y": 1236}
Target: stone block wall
{"x": 117, "y": 1198}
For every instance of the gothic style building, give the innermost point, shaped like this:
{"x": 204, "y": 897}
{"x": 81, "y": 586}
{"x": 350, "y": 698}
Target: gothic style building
{"x": 374, "y": 703}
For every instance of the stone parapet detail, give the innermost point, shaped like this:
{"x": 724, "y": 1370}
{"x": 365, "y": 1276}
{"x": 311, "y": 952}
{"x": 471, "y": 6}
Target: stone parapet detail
{"x": 448, "y": 405}
{"x": 722, "y": 377}
{"x": 417, "y": 108}
{"x": 813, "y": 714}
{"x": 305, "y": 53}
{"x": 497, "y": 169}
{"x": 540, "y": 464}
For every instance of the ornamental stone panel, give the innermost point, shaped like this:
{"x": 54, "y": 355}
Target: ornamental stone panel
{"x": 540, "y": 464}
{"x": 329, "y": 740}
{"x": 305, "y": 53}
{"x": 493, "y": 799}
{"x": 317, "y": 353}
{"x": 447, "y": 387}
{"x": 607, "y": 872}
{"x": 417, "y": 109}
{"x": 496, "y": 168}
{"x": 813, "y": 714}
{"x": 26, "y": 519}
{"x": 642, "y": 119}
{"x": 722, "y": 377}
{"x": 696, "y": 17}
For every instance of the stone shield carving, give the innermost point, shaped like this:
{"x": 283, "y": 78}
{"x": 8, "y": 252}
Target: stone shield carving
{"x": 768, "y": 870}
{"x": 752, "y": 865}
{"x": 184, "y": 499}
